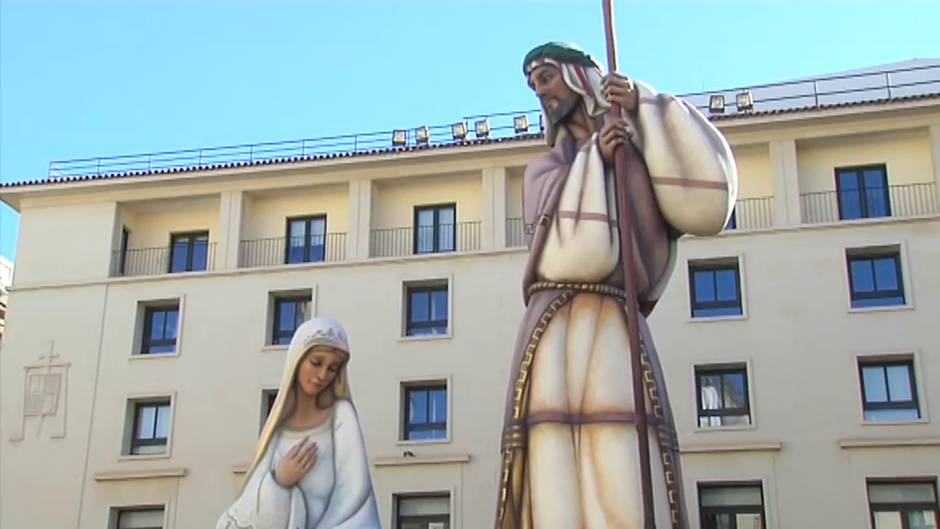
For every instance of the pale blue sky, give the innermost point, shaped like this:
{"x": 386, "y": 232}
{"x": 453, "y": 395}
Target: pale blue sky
{"x": 81, "y": 79}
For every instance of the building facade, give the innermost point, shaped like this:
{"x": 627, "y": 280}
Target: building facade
{"x": 150, "y": 312}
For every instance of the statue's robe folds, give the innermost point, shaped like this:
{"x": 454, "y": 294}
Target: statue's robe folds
{"x": 569, "y": 447}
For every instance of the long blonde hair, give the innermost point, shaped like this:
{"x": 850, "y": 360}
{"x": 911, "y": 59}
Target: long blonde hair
{"x": 322, "y": 331}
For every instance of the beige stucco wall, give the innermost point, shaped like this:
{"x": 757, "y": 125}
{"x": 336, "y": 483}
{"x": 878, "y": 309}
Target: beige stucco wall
{"x": 906, "y": 154}
{"x": 514, "y": 193}
{"x": 265, "y": 213}
{"x": 393, "y": 201}
{"x": 64, "y": 244}
{"x": 755, "y": 178}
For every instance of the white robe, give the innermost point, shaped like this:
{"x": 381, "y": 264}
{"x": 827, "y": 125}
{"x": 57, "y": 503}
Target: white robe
{"x": 336, "y": 493}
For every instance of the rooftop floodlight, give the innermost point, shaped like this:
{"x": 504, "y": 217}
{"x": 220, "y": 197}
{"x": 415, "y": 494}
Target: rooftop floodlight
{"x": 716, "y": 104}
{"x": 521, "y": 124}
{"x": 482, "y": 128}
{"x": 399, "y": 137}
{"x": 459, "y": 130}
{"x": 744, "y": 100}
{"x": 422, "y": 135}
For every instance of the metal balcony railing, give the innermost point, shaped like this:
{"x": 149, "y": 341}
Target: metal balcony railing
{"x": 896, "y": 82}
{"x": 908, "y": 200}
{"x": 443, "y": 238}
{"x": 753, "y": 214}
{"x": 278, "y": 250}
{"x": 515, "y": 232}
{"x": 156, "y": 261}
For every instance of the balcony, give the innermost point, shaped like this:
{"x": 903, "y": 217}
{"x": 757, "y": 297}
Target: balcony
{"x": 164, "y": 260}
{"x": 276, "y": 251}
{"x": 442, "y": 238}
{"x": 908, "y": 200}
{"x": 752, "y": 214}
{"x": 515, "y": 232}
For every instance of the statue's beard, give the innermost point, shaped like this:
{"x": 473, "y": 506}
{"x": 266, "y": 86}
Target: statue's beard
{"x": 563, "y": 111}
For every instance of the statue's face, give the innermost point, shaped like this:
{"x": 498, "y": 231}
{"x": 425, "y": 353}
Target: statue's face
{"x": 557, "y": 98}
{"x": 318, "y": 370}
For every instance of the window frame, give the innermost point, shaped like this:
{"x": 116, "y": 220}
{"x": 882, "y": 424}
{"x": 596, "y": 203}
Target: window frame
{"x": 714, "y": 266}
{"x": 436, "y": 243}
{"x": 905, "y": 508}
{"x": 721, "y": 370}
{"x": 430, "y": 289}
{"x": 276, "y": 333}
{"x": 400, "y": 520}
{"x": 914, "y": 403}
{"x": 308, "y": 221}
{"x": 135, "y": 442}
{"x": 733, "y": 509}
{"x": 147, "y": 342}
{"x": 866, "y": 254}
{"x": 118, "y": 511}
{"x": 859, "y": 171}
{"x": 191, "y": 235}
{"x": 407, "y": 427}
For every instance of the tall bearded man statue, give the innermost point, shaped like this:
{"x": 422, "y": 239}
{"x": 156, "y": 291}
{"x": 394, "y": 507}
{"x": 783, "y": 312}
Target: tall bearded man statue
{"x": 570, "y": 457}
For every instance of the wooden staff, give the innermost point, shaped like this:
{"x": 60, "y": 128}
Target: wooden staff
{"x": 626, "y": 157}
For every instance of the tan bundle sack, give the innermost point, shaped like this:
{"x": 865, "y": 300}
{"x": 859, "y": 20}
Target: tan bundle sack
{"x": 689, "y": 161}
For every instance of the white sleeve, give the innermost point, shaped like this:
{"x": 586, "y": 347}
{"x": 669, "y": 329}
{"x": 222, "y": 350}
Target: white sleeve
{"x": 352, "y": 502}
{"x": 263, "y": 503}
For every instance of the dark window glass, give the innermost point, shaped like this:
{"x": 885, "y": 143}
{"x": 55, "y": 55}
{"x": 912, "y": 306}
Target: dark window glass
{"x": 160, "y": 326}
{"x": 140, "y": 518}
{"x": 151, "y": 427}
{"x": 435, "y": 229}
{"x": 863, "y": 192}
{"x": 122, "y": 259}
{"x": 732, "y": 223}
{"x": 306, "y": 240}
{"x": 425, "y": 412}
{"x": 423, "y": 512}
{"x": 903, "y": 504}
{"x": 875, "y": 280}
{"x": 722, "y": 396}
{"x": 189, "y": 252}
{"x": 426, "y": 310}
{"x": 289, "y": 313}
{"x": 715, "y": 290}
{"x": 889, "y": 392}
{"x": 731, "y": 506}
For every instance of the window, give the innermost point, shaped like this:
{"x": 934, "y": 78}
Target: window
{"x": 289, "y": 313}
{"x": 189, "y": 251}
{"x": 889, "y": 392}
{"x": 722, "y": 396}
{"x": 715, "y": 289}
{"x": 435, "y": 228}
{"x": 732, "y": 223}
{"x": 425, "y": 413}
{"x": 306, "y": 239}
{"x": 863, "y": 192}
{"x": 151, "y": 427}
{"x": 122, "y": 258}
{"x": 138, "y": 518}
{"x": 268, "y": 396}
{"x": 160, "y": 329}
{"x": 426, "y": 310}
{"x": 731, "y": 506}
{"x": 423, "y": 512}
{"x": 875, "y": 279}
{"x": 903, "y": 504}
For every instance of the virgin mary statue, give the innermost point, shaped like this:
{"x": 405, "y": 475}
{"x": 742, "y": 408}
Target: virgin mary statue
{"x": 310, "y": 470}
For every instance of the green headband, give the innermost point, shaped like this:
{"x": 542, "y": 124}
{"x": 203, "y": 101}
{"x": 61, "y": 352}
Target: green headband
{"x": 560, "y": 51}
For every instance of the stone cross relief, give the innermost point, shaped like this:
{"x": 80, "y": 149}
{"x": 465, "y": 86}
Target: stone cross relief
{"x": 45, "y": 398}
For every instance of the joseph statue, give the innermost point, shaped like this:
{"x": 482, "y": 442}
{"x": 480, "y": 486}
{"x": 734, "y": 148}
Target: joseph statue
{"x": 570, "y": 456}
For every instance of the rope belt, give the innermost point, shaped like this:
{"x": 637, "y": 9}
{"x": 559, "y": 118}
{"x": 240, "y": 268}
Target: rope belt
{"x": 593, "y": 288}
